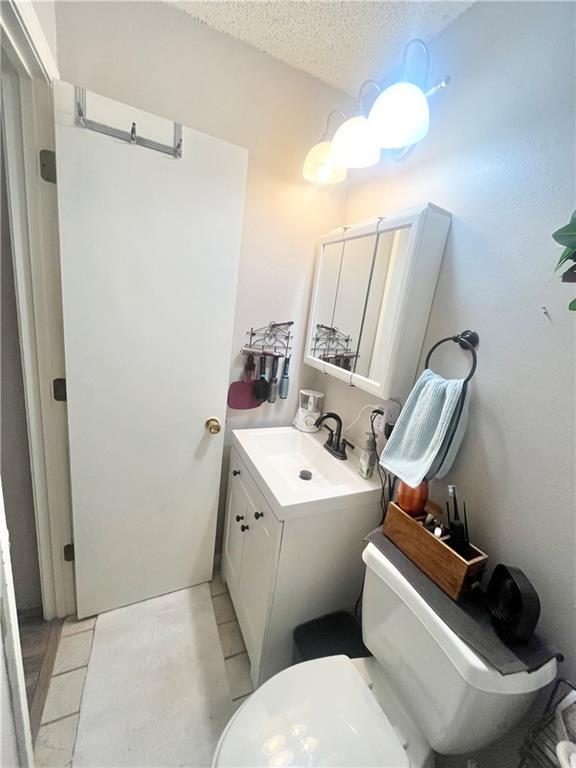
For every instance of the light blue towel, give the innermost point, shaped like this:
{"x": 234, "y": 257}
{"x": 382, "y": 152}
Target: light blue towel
{"x": 429, "y": 430}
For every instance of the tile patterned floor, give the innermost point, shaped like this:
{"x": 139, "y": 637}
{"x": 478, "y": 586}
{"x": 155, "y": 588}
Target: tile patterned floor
{"x": 57, "y": 735}
{"x": 233, "y": 648}
{"x": 39, "y": 641}
{"x": 34, "y": 637}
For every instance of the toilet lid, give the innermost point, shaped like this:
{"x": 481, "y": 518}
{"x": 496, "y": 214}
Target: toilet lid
{"x": 320, "y": 712}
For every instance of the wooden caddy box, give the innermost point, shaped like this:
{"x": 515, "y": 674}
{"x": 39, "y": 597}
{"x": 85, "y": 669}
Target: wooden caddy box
{"x": 450, "y": 571}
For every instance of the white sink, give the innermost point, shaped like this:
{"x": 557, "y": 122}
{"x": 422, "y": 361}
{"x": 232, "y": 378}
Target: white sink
{"x": 275, "y": 458}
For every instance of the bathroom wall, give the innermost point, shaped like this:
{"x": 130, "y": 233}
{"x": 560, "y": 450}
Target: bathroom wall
{"x": 14, "y": 452}
{"x": 500, "y": 156}
{"x": 46, "y": 12}
{"x": 160, "y": 59}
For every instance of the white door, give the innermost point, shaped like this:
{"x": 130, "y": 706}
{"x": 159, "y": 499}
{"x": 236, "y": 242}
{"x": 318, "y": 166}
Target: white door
{"x": 149, "y": 256}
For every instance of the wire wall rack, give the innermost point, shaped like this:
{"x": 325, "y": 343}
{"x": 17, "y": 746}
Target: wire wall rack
{"x": 539, "y": 747}
{"x": 333, "y": 346}
{"x": 274, "y": 340}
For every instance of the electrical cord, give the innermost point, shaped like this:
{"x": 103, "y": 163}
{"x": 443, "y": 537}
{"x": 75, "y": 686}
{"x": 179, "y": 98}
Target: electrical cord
{"x": 358, "y": 604}
{"x": 381, "y": 473}
{"x": 387, "y": 483}
{"x": 359, "y": 414}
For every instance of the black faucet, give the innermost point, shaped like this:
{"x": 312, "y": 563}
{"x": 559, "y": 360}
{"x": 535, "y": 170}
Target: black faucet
{"x": 336, "y": 444}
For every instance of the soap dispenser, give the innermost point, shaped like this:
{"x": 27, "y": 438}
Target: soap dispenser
{"x": 368, "y": 457}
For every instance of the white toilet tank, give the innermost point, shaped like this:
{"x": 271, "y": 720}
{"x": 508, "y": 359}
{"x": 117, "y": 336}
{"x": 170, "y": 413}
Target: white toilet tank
{"x": 459, "y": 701}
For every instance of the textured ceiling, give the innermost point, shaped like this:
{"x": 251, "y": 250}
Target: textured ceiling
{"x": 340, "y": 43}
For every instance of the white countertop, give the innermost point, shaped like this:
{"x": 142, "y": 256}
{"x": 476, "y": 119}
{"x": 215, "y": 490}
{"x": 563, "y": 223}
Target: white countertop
{"x": 275, "y": 456}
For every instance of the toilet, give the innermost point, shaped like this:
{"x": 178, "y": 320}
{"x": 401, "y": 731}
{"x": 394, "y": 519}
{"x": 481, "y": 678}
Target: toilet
{"x": 424, "y": 690}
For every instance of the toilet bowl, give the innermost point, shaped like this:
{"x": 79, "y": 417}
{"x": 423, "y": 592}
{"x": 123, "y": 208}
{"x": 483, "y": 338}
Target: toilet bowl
{"x": 320, "y": 712}
{"x": 424, "y": 690}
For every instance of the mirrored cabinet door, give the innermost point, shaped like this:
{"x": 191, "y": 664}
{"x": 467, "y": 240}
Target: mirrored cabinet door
{"x": 390, "y": 247}
{"x": 351, "y": 297}
{"x": 328, "y": 285}
{"x": 345, "y": 270}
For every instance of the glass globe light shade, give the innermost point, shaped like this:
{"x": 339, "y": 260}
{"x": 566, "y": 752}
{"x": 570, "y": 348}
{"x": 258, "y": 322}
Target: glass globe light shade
{"x": 400, "y": 116}
{"x": 355, "y": 144}
{"x": 320, "y": 166}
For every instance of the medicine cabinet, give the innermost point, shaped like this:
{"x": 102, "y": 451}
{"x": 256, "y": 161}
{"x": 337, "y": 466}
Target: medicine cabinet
{"x": 372, "y": 295}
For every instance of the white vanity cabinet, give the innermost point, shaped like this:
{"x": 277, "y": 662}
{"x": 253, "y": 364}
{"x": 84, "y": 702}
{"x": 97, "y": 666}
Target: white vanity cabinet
{"x": 287, "y": 564}
{"x": 251, "y": 545}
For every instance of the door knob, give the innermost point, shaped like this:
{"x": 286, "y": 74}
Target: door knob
{"x": 235, "y": 472}
{"x": 239, "y": 517}
{"x": 244, "y": 528}
{"x": 258, "y": 515}
{"x": 213, "y": 425}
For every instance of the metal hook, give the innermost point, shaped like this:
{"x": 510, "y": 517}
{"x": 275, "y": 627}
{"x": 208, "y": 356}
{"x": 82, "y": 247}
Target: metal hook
{"x": 175, "y": 149}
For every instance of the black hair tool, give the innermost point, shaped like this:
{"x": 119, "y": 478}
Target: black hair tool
{"x": 466, "y": 525}
{"x": 457, "y": 530}
{"x": 452, "y": 494}
{"x": 261, "y": 385}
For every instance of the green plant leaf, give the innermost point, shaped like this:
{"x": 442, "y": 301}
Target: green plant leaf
{"x": 572, "y": 305}
{"x": 566, "y": 236}
{"x": 568, "y": 254}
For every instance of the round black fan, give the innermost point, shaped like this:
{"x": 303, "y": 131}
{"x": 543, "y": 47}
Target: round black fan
{"x": 513, "y": 605}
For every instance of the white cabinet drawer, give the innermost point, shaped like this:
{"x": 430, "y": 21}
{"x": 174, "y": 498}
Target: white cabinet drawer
{"x": 240, "y": 473}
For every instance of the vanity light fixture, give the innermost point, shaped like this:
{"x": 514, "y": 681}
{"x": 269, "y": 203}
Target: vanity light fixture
{"x": 400, "y": 116}
{"x": 398, "y": 119}
{"x": 320, "y": 165}
{"x": 355, "y": 143}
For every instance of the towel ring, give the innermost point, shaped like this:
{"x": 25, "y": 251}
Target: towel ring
{"x": 467, "y": 340}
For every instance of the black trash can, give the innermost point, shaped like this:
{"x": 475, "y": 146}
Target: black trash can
{"x": 332, "y": 635}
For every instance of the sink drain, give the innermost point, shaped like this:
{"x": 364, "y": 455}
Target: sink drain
{"x": 305, "y": 474}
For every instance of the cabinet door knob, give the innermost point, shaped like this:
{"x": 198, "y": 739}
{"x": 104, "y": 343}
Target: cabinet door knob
{"x": 235, "y": 472}
{"x": 244, "y": 528}
{"x": 239, "y": 517}
{"x": 258, "y": 515}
